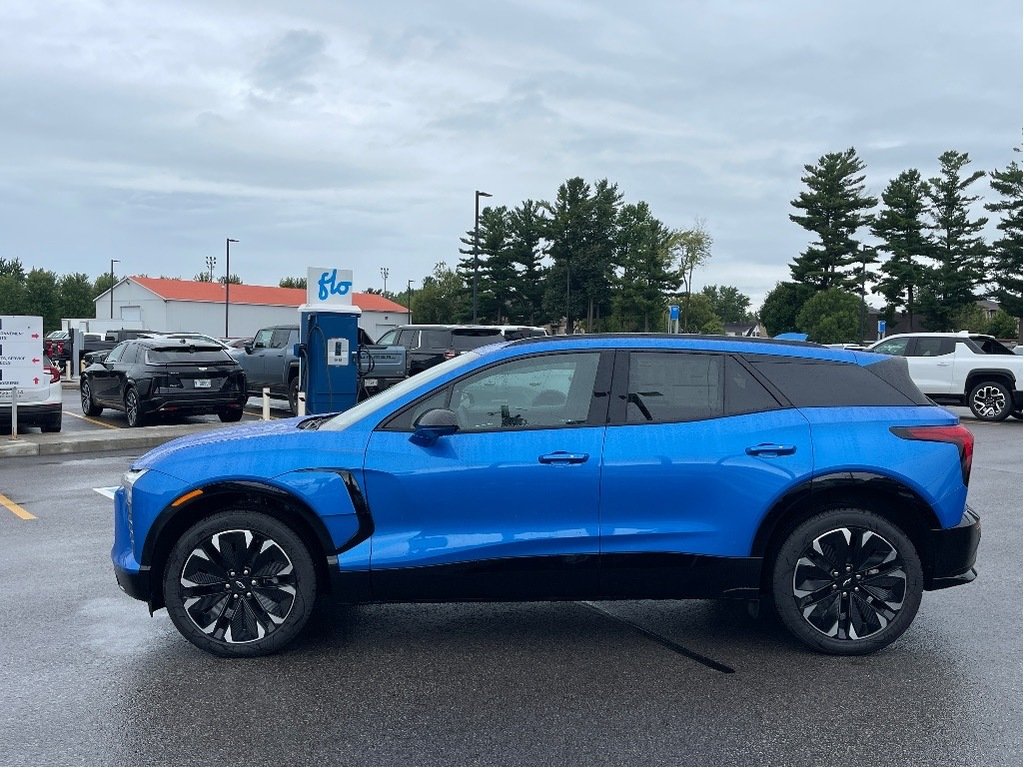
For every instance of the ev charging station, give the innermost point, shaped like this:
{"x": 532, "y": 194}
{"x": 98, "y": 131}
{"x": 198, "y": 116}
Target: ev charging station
{"x": 329, "y": 356}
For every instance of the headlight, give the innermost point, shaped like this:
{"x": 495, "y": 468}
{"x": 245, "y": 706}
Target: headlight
{"x": 128, "y": 481}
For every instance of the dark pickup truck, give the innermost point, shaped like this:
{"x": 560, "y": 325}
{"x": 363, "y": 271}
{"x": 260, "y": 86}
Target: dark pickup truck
{"x": 270, "y": 361}
{"x": 92, "y": 347}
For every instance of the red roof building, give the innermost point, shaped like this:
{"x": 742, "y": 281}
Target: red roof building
{"x": 162, "y": 304}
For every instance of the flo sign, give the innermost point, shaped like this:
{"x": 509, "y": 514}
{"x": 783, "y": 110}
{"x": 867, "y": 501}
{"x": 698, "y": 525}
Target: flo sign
{"x": 21, "y": 351}
{"x": 328, "y": 285}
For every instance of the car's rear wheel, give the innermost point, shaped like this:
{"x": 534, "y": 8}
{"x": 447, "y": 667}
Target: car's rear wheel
{"x": 847, "y": 582}
{"x": 53, "y": 425}
{"x": 89, "y": 407}
{"x": 239, "y": 583}
{"x": 293, "y": 396}
{"x": 990, "y": 401}
{"x": 230, "y": 415}
{"x": 133, "y": 408}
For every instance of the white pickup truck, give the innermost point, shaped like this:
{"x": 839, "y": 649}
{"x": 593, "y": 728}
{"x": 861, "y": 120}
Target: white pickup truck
{"x": 962, "y": 369}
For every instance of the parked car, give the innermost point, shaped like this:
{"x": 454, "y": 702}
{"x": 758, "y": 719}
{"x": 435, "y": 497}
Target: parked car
{"x": 39, "y": 405}
{"x": 963, "y": 368}
{"x": 568, "y": 468}
{"x": 146, "y": 377}
{"x": 428, "y": 345}
{"x": 57, "y": 345}
{"x": 94, "y": 343}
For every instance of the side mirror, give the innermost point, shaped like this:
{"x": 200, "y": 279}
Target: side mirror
{"x": 248, "y": 349}
{"x": 434, "y": 424}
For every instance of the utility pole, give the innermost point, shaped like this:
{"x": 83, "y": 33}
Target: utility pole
{"x": 384, "y": 272}
{"x": 408, "y": 298}
{"x": 227, "y": 281}
{"x": 112, "y": 263}
{"x": 211, "y": 263}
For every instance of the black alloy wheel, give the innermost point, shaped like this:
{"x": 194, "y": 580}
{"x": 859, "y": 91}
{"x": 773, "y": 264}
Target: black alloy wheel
{"x": 133, "y": 409}
{"x": 239, "y": 584}
{"x": 990, "y": 401}
{"x": 847, "y": 582}
{"x": 89, "y": 407}
{"x": 293, "y": 396}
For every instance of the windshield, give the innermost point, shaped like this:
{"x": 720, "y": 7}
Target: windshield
{"x": 391, "y": 394}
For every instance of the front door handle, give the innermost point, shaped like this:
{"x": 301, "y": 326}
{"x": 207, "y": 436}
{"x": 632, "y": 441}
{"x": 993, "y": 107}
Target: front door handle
{"x": 771, "y": 449}
{"x": 563, "y": 457}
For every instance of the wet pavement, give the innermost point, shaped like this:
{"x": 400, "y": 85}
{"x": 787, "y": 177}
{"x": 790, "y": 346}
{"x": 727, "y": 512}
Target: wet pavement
{"x": 89, "y": 678}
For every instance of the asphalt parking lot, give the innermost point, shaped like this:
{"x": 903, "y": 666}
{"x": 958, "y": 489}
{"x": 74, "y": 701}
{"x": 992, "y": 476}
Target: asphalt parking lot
{"x": 89, "y": 678}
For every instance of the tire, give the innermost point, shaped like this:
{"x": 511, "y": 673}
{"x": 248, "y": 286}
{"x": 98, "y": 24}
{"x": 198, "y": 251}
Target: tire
{"x": 89, "y": 407}
{"x": 293, "y": 395}
{"x": 133, "y": 408}
{"x": 53, "y": 425}
{"x": 990, "y": 401}
{"x": 230, "y": 416}
{"x": 842, "y": 599}
{"x": 224, "y": 554}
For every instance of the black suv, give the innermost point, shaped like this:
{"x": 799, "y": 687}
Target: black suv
{"x": 428, "y": 345}
{"x": 164, "y": 376}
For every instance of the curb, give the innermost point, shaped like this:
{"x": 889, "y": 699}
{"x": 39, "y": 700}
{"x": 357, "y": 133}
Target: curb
{"x": 122, "y": 439}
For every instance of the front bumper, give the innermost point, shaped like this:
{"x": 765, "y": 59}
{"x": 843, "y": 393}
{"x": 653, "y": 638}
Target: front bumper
{"x": 134, "y": 583}
{"x": 952, "y": 553}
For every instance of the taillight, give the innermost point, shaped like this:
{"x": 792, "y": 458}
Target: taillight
{"x": 60, "y": 347}
{"x": 449, "y": 354}
{"x": 54, "y": 373}
{"x": 957, "y": 434}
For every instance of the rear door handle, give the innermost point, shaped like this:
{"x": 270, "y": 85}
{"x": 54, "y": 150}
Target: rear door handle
{"x": 771, "y": 449}
{"x": 563, "y": 457}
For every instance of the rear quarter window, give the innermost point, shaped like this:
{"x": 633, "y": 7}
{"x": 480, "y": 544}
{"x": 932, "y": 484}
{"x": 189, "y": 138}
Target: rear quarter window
{"x": 464, "y": 339}
{"x": 815, "y": 383}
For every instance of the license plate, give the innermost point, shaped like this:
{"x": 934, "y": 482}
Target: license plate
{"x": 369, "y": 382}
{"x": 202, "y": 383}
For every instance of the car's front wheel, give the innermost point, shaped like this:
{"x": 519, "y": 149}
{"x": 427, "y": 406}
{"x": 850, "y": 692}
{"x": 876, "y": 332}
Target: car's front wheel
{"x": 239, "y": 583}
{"x": 847, "y": 582}
{"x": 990, "y": 401}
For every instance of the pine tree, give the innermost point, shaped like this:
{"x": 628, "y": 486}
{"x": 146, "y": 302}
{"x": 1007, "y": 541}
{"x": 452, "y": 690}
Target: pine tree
{"x": 959, "y": 250}
{"x": 526, "y": 231}
{"x": 902, "y": 229}
{"x": 1006, "y": 253}
{"x": 833, "y": 208}
{"x": 647, "y": 275}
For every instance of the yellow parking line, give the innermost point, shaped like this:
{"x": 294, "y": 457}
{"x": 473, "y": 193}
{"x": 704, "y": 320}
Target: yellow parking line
{"x": 92, "y": 421}
{"x": 15, "y": 509}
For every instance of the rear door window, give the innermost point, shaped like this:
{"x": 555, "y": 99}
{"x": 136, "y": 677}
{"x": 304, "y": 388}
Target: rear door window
{"x": 435, "y": 339}
{"x": 931, "y": 346}
{"x": 667, "y": 387}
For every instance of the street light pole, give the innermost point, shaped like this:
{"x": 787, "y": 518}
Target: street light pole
{"x": 408, "y": 299}
{"x": 476, "y": 246}
{"x": 112, "y": 263}
{"x": 227, "y": 281}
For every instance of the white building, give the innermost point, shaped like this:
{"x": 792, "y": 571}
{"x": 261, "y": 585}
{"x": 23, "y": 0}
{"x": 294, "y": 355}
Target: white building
{"x": 158, "y": 304}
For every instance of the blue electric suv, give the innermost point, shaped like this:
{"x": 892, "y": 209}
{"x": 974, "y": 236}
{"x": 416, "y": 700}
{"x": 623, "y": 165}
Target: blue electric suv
{"x": 568, "y": 468}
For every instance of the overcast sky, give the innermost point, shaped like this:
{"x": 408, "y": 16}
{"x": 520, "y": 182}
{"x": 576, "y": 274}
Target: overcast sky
{"x": 354, "y": 134}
